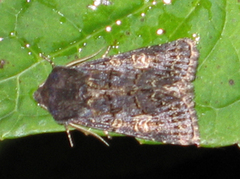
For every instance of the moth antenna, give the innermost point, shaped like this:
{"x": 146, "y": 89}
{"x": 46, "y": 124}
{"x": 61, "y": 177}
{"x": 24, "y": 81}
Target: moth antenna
{"x": 69, "y": 136}
{"x": 75, "y": 62}
{"x": 85, "y": 131}
{"x": 48, "y": 60}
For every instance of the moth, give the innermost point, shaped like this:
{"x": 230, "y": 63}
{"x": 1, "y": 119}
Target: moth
{"x": 145, "y": 93}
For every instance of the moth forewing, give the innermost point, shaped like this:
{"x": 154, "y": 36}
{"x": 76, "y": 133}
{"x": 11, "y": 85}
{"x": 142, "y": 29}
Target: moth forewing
{"x": 146, "y": 93}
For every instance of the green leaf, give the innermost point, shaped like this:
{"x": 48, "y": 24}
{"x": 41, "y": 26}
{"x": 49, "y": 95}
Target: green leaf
{"x": 66, "y": 30}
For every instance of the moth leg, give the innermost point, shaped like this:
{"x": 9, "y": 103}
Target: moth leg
{"x": 107, "y": 134}
{"x": 48, "y": 60}
{"x": 107, "y": 52}
{"x": 69, "y": 135}
{"x": 87, "y": 132}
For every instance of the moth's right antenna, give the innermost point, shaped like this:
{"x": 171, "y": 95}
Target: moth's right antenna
{"x": 78, "y": 61}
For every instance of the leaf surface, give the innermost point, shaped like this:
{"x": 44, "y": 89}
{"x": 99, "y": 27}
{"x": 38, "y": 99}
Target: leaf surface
{"x": 66, "y": 30}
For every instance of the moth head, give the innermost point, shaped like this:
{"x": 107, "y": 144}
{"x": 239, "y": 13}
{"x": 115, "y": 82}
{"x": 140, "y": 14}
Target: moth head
{"x": 60, "y": 94}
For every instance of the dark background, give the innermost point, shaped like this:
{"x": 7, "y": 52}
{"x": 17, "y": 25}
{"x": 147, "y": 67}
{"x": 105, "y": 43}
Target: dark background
{"x": 50, "y": 156}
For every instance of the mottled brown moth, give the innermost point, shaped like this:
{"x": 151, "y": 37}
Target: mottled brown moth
{"x": 145, "y": 93}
